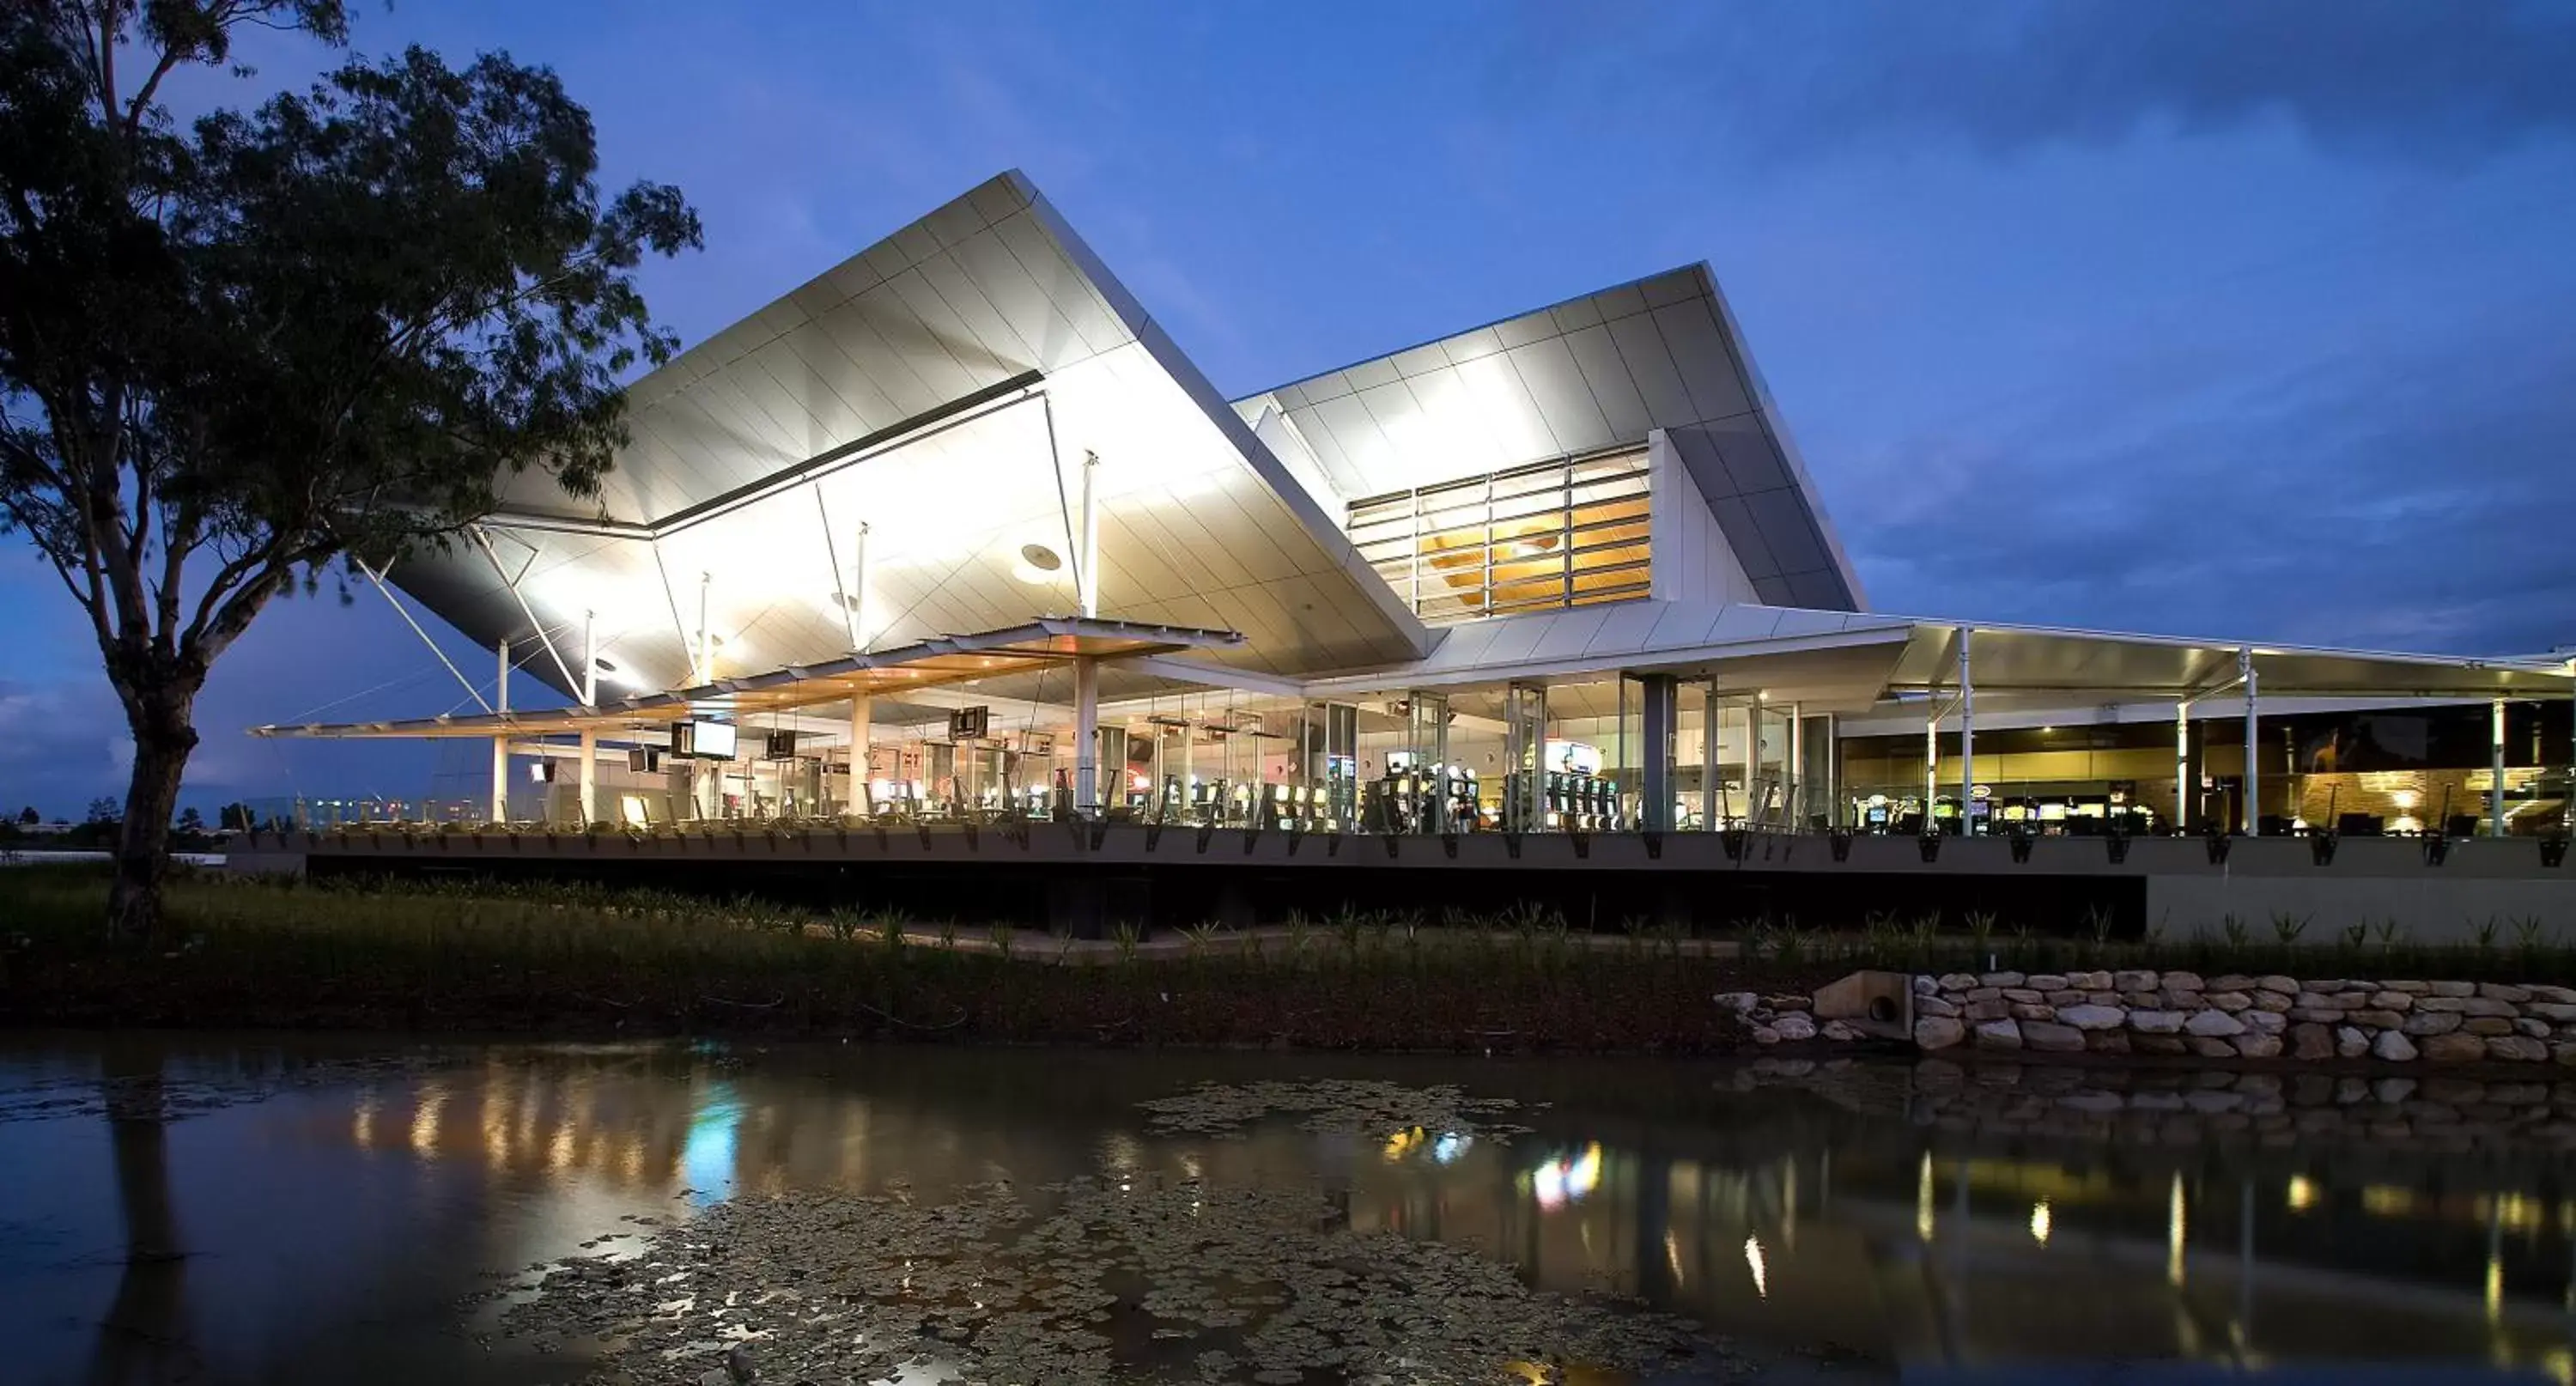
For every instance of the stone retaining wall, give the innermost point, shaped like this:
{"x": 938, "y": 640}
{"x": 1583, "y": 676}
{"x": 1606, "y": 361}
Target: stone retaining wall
{"x": 2240, "y": 1017}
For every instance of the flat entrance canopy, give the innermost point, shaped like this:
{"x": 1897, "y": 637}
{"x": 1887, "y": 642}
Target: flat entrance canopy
{"x": 903, "y": 669}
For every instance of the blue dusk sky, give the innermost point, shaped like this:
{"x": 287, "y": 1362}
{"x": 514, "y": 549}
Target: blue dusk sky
{"x": 2250, "y": 320}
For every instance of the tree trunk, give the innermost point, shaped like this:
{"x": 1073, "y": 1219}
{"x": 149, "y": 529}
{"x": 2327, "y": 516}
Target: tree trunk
{"x": 163, "y": 737}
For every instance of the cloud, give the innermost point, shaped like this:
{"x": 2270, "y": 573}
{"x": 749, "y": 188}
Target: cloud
{"x": 60, "y": 746}
{"x": 2363, "y": 78}
{"x": 2380, "y": 499}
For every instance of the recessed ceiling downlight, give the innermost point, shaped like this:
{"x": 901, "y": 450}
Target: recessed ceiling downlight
{"x": 1037, "y": 565}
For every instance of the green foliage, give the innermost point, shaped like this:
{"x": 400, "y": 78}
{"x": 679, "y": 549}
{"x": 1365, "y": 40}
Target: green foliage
{"x": 238, "y": 351}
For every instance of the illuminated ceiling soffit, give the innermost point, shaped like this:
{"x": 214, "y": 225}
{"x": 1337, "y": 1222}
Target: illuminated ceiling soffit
{"x": 950, "y": 320}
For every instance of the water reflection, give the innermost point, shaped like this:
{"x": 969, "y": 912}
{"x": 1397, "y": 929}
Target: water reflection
{"x": 1919, "y": 1216}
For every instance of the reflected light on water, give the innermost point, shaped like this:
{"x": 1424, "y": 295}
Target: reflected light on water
{"x": 707, "y": 1158}
{"x": 424, "y": 1118}
{"x": 1563, "y": 1181}
{"x": 1753, "y": 1262}
{"x": 2039, "y": 1222}
{"x": 2174, "y": 1233}
{"x": 1923, "y": 1199}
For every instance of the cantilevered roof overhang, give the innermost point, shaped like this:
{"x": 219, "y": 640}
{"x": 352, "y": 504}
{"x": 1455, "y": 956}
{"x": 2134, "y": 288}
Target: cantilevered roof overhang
{"x": 2044, "y": 662}
{"x": 1038, "y": 645}
{"x": 1857, "y": 662}
{"x": 948, "y": 389}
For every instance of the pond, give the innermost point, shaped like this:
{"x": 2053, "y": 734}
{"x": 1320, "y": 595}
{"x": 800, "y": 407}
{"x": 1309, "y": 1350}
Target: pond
{"x": 216, "y": 1209}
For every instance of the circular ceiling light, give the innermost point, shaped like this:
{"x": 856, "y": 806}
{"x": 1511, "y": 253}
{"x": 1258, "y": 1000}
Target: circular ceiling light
{"x": 1037, "y": 565}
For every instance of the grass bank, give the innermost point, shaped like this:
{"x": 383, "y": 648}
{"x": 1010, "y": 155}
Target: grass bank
{"x": 568, "y": 960}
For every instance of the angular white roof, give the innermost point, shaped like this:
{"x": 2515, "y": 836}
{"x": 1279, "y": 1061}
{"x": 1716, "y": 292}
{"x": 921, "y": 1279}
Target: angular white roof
{"x": 1588, "y": 374}
{"x": 943, "y": 387}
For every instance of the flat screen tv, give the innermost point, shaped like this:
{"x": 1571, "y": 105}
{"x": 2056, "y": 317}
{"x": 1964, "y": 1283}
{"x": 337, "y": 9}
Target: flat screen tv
{"x": 711, "y": 740}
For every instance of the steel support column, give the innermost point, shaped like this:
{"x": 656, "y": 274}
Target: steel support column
{"x": 589, "y": 736}
{"x": 862, "y": 713}
{"x": 1931, "y": 765}
{"x": 1655, "y": 813}
{"x": 1712, "y": 808}
{"x": 2495, "y": 770}
{"x": 1753, "y": 761}
{"x": 1086, "y": 738}
{"x": 1967, "y": 737}
{"x": 1796, "y": 793}
{"x": 2182, "y": 766}
{"x": 705, "y": 670}
{"x": 501, "y": 743}
{"x": 1087, "y": 577}
{"x": 2253, "y": 813}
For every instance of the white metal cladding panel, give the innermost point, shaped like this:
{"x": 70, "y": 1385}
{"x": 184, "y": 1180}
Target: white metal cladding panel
{"x": 1517, "y": 637}
{"x": 1566, "y": 635}
{"x": 1623, "y": 407}
{"x": 1741, "y": 623}
{"x": 1602, "y": 369}
{"x": 1564, "y": 401}
{"x": 1683, "y": 624}
{"x": 1625, "y": 628}
{"x": 1795, "y": 621}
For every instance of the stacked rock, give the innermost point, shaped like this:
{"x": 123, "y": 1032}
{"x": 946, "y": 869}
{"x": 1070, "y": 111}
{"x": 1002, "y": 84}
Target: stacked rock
{"x": 1774, "y": 1020}
{"x": 2240, "y": 1017}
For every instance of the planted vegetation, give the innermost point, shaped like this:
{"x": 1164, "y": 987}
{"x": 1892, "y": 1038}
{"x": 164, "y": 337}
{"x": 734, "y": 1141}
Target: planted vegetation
{"x": 571, "y": 959}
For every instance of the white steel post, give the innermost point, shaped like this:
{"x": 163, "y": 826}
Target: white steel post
{"x": 1931, "y": 765}
{"x": 2495, "y": 768}
{"x": 1712, "y": 805}
{"x": 1797, "y": 776}
{"x": 702, "y": 670}
{"x": 2253, "y": 759}
{"x": 862, "y": 713}
{"x": 589, "y": 735}
{"x": 1086, "y": 736}
{"x": 857, "y": 600}
{"x": 1087, "y": 577}
{"x": 1836, "y": 801}
{"x": 1753, "y": 761}
{"x": 501, "y": 742}
{"x": 2182, "y": 766}
{"x": 1967, "y": 737}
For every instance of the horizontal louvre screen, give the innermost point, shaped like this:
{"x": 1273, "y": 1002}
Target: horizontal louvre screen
{"x": 1535, "y": 538}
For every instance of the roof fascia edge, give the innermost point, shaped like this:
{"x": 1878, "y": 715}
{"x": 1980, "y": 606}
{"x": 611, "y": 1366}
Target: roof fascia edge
{"x": 1322, "y": 528}
{"x": 1766, "y": 414}
{"x": 1390, "y": 680}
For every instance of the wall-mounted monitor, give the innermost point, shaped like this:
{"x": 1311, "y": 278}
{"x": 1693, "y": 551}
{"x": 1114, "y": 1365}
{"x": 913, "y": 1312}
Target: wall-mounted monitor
{"x": 712, "y": 740}
{"x": 706, "y": 740}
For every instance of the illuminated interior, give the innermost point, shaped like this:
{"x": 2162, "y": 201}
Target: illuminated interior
{"x": 1550, "y": 535}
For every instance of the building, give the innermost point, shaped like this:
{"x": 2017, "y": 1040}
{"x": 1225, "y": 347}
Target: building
{"x": 956, "y": 532}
